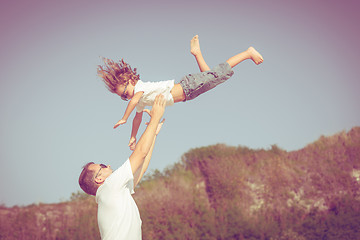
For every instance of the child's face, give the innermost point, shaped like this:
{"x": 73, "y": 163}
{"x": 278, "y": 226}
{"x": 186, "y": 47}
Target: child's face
{"x": 126, "y": 91}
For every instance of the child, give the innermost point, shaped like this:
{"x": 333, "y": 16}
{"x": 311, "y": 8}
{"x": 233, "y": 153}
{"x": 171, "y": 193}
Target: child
{"x": 122, "y": 80}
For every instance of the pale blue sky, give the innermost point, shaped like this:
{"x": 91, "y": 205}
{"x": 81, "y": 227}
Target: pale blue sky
{"x": 56, "y": 115}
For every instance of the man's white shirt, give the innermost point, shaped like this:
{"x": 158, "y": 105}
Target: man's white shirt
{"x": 118, "y": 215}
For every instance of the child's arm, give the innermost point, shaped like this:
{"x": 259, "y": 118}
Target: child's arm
{"x": 135, "y": 127}
{"x": 132, "y": 104}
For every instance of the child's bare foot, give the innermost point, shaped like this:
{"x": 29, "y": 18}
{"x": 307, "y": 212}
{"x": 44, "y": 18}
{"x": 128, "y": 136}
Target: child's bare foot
{"x": 195, "y": 45}
{"x": 255, "y": 56}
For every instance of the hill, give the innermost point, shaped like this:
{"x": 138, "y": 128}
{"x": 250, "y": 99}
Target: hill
{"x": 226, "y": 192}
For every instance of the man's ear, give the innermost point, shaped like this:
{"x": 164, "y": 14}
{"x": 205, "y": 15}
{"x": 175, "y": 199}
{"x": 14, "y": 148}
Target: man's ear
{"x": 99, "y": 180}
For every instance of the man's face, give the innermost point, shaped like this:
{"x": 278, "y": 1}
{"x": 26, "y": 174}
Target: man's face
{"x": 101, "y": 171}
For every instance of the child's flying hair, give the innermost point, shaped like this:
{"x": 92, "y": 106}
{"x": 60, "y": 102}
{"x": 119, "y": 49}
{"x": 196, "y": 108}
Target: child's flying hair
{"x": 116, "y": 73}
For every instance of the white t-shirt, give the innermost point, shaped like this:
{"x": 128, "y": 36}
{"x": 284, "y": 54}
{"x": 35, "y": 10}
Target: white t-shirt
{"x": 118, "y": 215}
{"x": 151, "y": 90}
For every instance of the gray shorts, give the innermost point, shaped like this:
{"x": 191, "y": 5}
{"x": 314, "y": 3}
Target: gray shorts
{"x": 198, "y": 83}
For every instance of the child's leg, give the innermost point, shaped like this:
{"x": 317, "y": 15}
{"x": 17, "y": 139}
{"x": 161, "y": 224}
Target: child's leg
{"x": 250, "y": 53}
{"x": 195, "y": 50}
{"x": 195, "y": 84}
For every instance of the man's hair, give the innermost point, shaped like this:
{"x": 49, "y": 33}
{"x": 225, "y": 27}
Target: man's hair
{"x": 116, "y": 73}
{"x": 86, "y": 180}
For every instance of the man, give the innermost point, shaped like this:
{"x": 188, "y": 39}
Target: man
{"x": 118, "y": 215}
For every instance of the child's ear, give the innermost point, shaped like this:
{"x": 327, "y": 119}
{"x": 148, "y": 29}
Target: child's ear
{"x": 133, "y": 82}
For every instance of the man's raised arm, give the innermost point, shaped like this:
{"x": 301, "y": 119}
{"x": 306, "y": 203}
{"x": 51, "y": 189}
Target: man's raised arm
{"x": 147, "y": 139}
{"x": 142, "y": 169}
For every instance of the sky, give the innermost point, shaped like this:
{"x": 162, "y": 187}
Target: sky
{"x": 56, "y": 114}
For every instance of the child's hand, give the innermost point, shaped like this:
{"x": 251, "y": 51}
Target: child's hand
{"x": 132, "y": 143}
{"x": 121, "y": 122}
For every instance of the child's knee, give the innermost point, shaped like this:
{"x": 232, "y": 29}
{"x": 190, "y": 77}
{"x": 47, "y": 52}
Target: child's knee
{"x": 223, "y": 70}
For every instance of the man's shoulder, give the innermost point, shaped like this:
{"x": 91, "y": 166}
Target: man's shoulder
{"x": 122, "y": 174}
{"x": 123, "y": 167}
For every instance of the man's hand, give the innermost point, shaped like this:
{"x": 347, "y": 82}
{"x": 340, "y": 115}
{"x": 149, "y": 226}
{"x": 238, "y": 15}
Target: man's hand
{"x": 158, "y": 108}
{"x": 159, "y": 126}
{"x": 121, "y": 122}
{"x": 132, "y": 143}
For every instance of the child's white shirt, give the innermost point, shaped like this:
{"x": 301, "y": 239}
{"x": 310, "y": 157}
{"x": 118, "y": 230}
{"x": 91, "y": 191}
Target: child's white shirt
{"x": 151, "y": 90}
